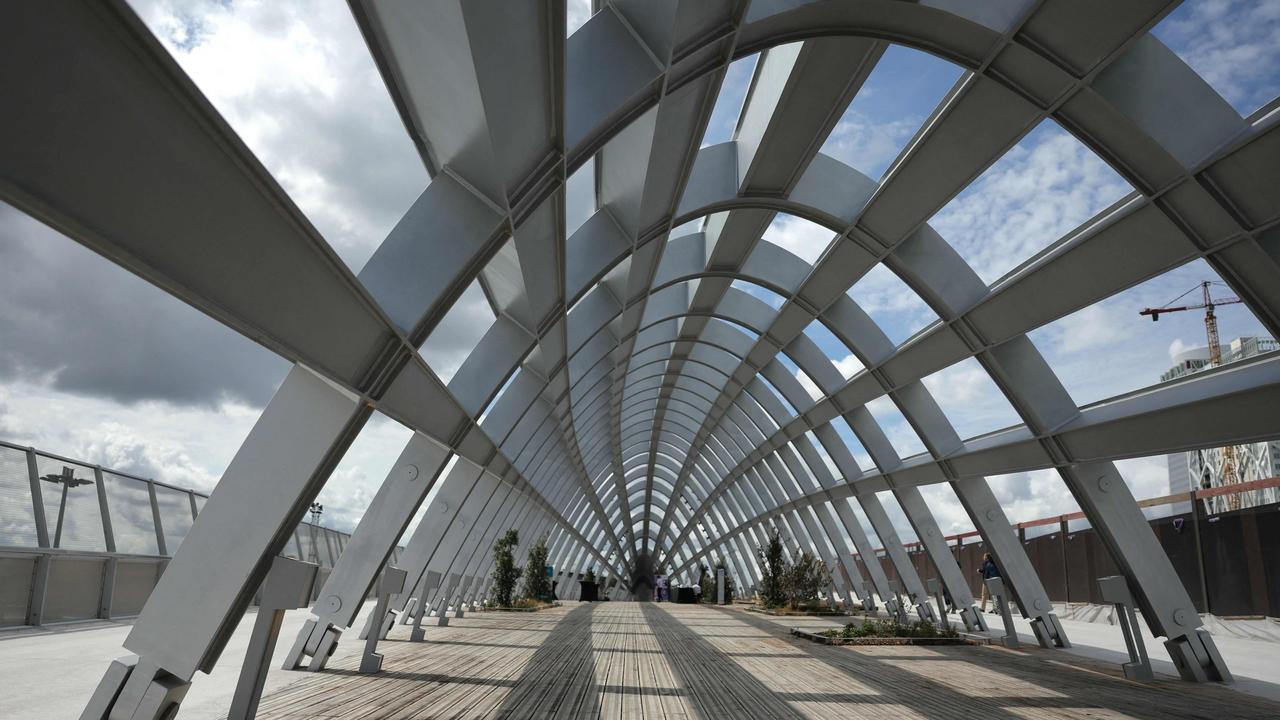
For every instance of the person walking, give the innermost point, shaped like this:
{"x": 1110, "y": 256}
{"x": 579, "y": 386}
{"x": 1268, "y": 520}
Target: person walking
{"x": 987, "y": 570}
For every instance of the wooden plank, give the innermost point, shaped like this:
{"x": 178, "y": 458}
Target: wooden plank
{"x": 645, "y": 660}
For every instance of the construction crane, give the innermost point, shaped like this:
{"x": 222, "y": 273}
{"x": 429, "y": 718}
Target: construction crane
{"x": 1229, "y": 475}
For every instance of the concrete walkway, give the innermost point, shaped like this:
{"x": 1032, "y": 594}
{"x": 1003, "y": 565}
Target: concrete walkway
{"x": 49, "y": 673}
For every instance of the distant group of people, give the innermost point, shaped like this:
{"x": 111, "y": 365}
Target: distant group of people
{"x": 660, "y": 589}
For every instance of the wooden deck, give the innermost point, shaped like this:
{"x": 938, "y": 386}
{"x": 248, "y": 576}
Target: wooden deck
{"x": 644, "y": 660}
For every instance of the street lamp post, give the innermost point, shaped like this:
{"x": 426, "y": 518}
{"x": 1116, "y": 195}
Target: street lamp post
{"x": 67, "y": 480}
{"x": 316, "y": 510}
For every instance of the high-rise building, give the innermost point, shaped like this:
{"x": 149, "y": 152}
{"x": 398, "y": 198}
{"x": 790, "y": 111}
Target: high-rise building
{"x": 1200, "y": 469}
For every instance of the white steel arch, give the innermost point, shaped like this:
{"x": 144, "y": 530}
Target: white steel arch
{"x": 623, "y": 353}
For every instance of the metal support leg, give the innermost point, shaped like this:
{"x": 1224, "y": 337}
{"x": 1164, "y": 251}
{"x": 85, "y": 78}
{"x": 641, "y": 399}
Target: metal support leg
{"x": 136, "y": 688}
{"x": 935, "y": 589}
{"x": 1156, "y": 588}
{"x": 202, "y": 595}
{"x": 410, "y": 479}
{"x": 1115, "y": 590}
{"x": 442, "y": 602}
{"x": 429, "y": 585}
{"x": 995, "y": 586}
{"x": 1022, "y": 584}
{"x": 288, "y": 586}
{"x": 973, "y": 620}
{"x": 921, "y": 518}
{"x": 392, "y": 582}
{"x": 462, "y": 597}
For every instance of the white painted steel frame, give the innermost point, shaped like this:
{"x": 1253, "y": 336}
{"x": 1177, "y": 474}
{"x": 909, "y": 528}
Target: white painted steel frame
{"x": 627, "y": 387}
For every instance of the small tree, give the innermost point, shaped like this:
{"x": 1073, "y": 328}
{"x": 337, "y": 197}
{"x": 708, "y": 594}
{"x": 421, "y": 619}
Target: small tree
{"x": 505, "y": 572}
{"x": 805, "y": 578}
{"x": 773, "y": 591}
{"x": 590, "y": 576}
{"x": 537, "y": 585}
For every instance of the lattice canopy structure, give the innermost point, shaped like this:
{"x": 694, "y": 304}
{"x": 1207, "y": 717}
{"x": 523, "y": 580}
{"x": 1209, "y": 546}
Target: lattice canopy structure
{"x": 633, "y": 399}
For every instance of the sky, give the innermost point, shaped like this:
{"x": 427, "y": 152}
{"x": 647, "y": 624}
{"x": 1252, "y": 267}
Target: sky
{"x": 114, "y": 371}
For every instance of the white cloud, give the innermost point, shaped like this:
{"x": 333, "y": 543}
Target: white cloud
{"x": 962, "y": 382}
{"x": 808, "y": 384}
{"x": 577, "y": 13}
{"x": 946, "y": 508}
{"x": 901, "y": 436}
{"x": 865, "y": 144}
{"x": 361, "y": 472}
{"x": 896, "y": 309}
{"x": 1147, "y": 477}
{"x": 1092, "y": 329}
{"x": 849, "y": 365}
{"x": 1177, "y": 347}
{"x": 1233, "y": 44}
{"x": 297, "y": 83}
{"x": 1040, "y": 190}
{"x": 1032, "y": 495}
{"x": 184, "y": 446}
{"x": 970, "y": 399}
{"x": 462, "y": 328}
{"x": 802, "y": 238}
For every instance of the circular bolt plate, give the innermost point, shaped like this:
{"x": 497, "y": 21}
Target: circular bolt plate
{"x": 411, "y": 472}
{"x": 332, "y": 604}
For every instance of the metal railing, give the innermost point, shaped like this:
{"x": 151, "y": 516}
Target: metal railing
{"x": 1219, "y": 557}
{"x": 80, "y": 541}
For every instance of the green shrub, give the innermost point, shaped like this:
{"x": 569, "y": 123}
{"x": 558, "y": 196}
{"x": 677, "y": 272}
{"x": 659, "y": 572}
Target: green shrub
{"x": 894, "y": 629}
